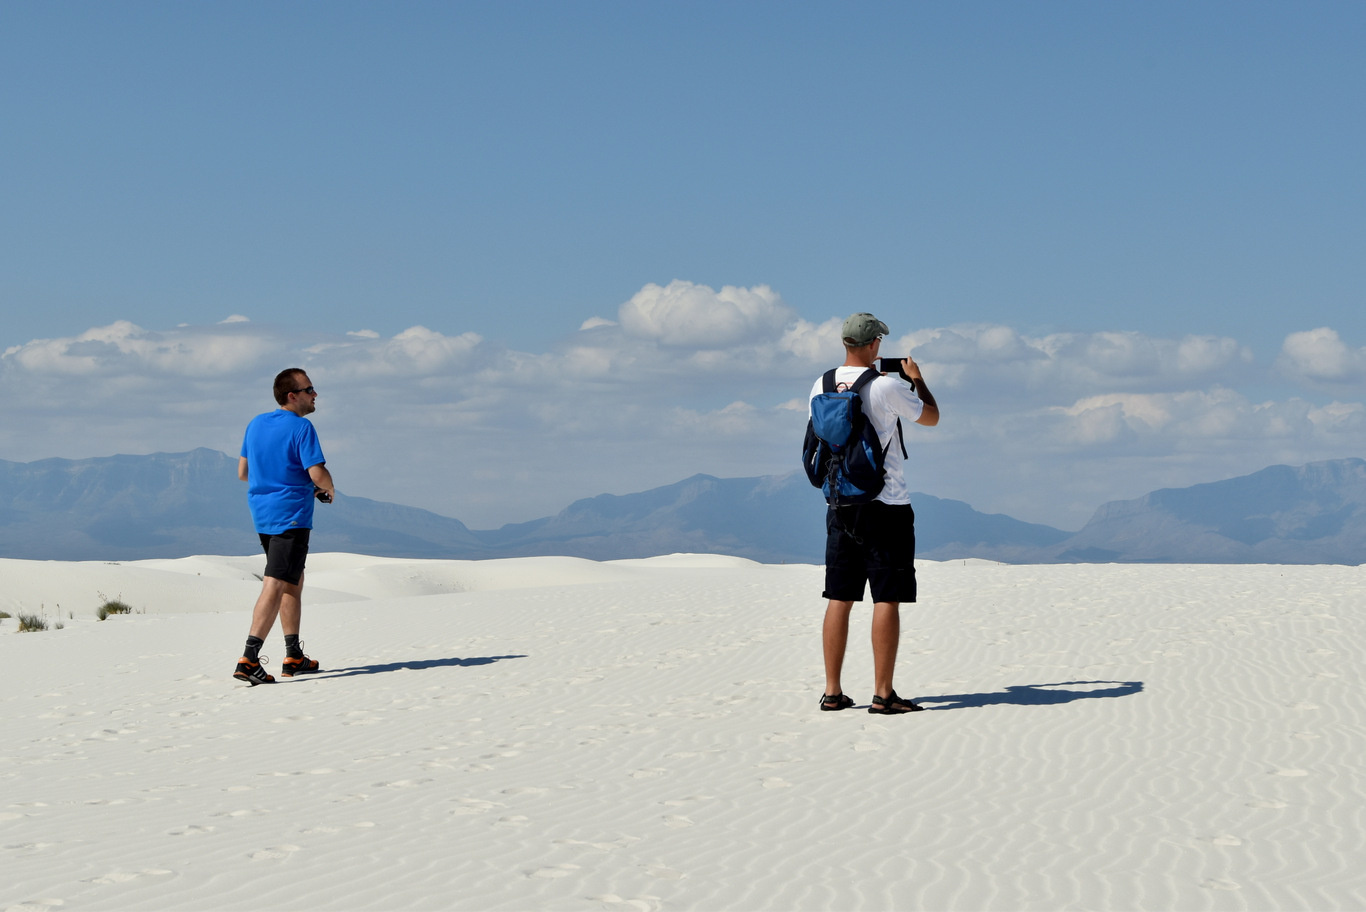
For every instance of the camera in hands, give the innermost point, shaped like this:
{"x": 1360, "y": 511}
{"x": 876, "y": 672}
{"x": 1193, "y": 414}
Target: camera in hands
{"x": 892, "y": 366}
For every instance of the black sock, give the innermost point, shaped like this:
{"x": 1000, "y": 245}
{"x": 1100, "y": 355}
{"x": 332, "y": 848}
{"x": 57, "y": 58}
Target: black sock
{"x": 253, "y": 651}
{"x": 292, "y": 648}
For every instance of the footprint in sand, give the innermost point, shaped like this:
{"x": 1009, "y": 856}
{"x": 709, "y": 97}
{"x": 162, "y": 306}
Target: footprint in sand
{"x": 1214, "y": 884}
{"x": 680, "y": 802}
{"x": 867, "y": 746}
{"x": 560, "y": 870}
{"x": 774, "y": 782}
{"x": 118, "y": 877}
{"x": 469, "y": 806}
{"x": 634, "y": 904}
{"x": 1226, "y": 840}
{"x": 192, "y": 830}
{"x": 36, "y": 905}
{"x": 664, "y": 873}
{"x": 274, "y": 853}
{"x": 647, "y": 773}
{"x": 677, "y": 821}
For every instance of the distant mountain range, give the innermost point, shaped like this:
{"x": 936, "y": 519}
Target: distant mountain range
{"x": 178, "y": 504}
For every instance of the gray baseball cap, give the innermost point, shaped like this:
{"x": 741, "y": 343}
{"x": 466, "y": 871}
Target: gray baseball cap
{"x": 863, "y": 328}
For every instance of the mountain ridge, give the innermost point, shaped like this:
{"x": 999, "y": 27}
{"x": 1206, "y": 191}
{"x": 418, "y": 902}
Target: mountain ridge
{"x": 176, "y": 504}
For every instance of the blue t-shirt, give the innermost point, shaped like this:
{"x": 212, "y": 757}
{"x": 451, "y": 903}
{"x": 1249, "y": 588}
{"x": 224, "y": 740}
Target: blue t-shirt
{"x": 280, "y": 447}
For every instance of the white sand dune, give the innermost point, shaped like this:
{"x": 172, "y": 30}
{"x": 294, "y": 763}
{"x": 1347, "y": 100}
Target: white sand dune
{"x": 553, "y": 733}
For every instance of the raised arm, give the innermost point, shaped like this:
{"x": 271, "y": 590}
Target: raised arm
{"x": 929, "y": 415}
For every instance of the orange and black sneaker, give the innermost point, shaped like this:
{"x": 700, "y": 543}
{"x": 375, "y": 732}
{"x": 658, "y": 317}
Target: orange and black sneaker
{"x": 302, "y": 665}
{"x": 252, "y": 672}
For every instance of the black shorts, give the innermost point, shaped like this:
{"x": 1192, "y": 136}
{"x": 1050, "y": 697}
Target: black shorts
{"x": 872, "y": 543}
{"x": 285, "y": 554}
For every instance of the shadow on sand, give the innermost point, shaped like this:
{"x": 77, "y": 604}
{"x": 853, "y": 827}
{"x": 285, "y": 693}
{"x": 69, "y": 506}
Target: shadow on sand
{"x": 417, "y": 665}
{"x": 1037, "y": 694}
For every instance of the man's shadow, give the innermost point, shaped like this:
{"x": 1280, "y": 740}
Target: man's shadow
{"x": 416, "y": 665}
{"x": 1037, "y": 694}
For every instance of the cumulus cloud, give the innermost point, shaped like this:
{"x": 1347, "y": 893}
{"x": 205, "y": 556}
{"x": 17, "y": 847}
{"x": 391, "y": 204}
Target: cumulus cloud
{"x": 123, "y": 348}
{"x": 1070, "y": 365}
{"x": 689, "y": 380}
{"x": 682, "y": 314}
{"x": 1320, "y": 355}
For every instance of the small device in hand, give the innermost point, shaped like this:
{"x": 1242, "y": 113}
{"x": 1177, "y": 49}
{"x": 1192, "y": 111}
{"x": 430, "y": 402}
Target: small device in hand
{"x": 892, "y": 366}
{"x": 322, "y": 495}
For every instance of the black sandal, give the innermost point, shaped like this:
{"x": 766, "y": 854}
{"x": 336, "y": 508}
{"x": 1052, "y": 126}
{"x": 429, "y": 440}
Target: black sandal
{"x": 835, "y": 702}
{"x": 892, "y": 705}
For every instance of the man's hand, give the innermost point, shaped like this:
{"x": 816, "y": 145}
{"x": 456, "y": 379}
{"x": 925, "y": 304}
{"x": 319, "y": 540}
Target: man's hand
{"x": 323, "y": 496}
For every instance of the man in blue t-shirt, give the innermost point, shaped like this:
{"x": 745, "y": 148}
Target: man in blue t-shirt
{"x": 283, "y": 464}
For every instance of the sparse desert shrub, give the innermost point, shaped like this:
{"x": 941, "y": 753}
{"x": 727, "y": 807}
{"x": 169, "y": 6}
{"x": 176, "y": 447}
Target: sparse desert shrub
{"x": 31, "y": 622}
{"x": 112, "y": 606}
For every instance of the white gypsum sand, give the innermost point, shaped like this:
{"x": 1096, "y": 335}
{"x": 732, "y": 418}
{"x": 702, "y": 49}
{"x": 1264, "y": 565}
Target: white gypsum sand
{"x": 552, "y": 733}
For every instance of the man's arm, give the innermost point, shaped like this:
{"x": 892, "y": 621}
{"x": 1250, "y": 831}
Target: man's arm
{"x": 929, "y": 414}
{"x": 241, "y": 468}
{"x": 322, "y": 480}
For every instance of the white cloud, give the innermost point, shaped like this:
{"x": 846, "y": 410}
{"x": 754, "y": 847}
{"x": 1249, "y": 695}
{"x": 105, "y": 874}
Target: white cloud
{"x": 124, "y": 348}
{"x": 1065, "y": 366}
{"x": 1320, "y": 355}
{"x": 1044, "y": 427}
{"x": 682, "y": 314}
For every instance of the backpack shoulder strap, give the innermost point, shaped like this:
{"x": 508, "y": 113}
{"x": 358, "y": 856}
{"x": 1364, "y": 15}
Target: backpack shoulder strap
{"x": 828, "y": 380}
{"x": 865, "y": 378}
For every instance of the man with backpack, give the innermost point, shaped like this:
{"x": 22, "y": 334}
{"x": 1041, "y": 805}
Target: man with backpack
{"x": 855, "y": 451}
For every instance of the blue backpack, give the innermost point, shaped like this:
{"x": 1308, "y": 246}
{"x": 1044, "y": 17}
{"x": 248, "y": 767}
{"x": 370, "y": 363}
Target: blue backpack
{"x": 842, "y": 454}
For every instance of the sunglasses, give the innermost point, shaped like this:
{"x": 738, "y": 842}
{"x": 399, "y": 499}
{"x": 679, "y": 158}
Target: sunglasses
{"x": 307, "y": 389}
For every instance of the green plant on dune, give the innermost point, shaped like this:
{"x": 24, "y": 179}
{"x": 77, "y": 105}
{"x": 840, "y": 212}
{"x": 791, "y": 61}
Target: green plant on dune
{"x": 31, "y": 622}
{"x": 110, "y": 606}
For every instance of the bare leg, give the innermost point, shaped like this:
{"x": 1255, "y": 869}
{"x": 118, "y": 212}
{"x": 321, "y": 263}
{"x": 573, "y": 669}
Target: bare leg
{"x": 277, "y": 598}
{"x": 292, "y": 608}
{"x": 886, "y": 638}
{"x": 834, "y": 638}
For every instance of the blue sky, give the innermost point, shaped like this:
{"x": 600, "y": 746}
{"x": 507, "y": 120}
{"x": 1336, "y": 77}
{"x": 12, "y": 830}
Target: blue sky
{"x": 1127, "y": 237}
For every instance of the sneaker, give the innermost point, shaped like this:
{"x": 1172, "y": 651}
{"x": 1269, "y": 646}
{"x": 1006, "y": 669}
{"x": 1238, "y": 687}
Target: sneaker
{"x": 252, "y": 673}
{"x": 302, "y": 665}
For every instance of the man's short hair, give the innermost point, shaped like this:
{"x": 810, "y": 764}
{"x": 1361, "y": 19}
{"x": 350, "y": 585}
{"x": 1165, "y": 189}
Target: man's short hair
{"x": 286, "y": 382}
